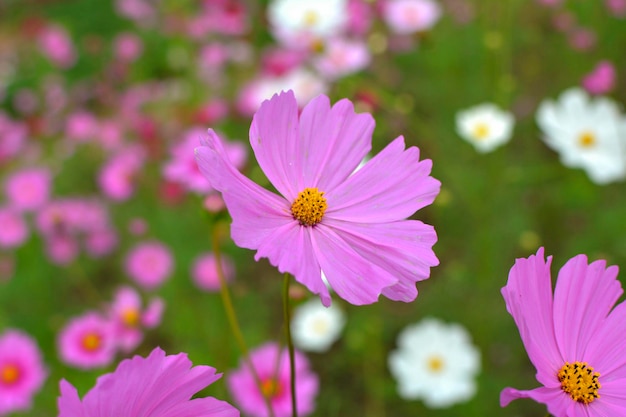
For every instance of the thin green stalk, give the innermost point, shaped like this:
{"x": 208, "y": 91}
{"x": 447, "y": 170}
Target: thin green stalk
{"x": 292, "y": 359}
{"x": 233, "y": 322}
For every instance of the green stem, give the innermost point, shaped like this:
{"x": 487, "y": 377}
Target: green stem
{"x": 233, "y": 322}
{"x": 292, "y": 359}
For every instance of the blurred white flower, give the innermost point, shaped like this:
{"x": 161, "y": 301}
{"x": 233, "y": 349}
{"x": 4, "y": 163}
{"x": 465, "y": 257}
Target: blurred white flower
{"x": 435, "y": 362}
{"x": 410, "y": 16}
{"x": 302, "y": 23}
{"x": 587, "y": 133}
{"x": 485, "y": 126}
{"x": 314, "y": 327}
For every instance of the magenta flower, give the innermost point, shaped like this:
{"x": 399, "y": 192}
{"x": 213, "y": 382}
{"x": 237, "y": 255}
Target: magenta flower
{"x": 573, "y": 339}
{"x": 149, "y": 264}
{"x": 351, "y": 225}
{"x": 272, "y": 366}
{"x": 156, "y": 386}
{"x": 28, "y": 189}
{"x": 204, "y": 272}
{"x": 87, "y": 342}
{"x": 22, "y": 372}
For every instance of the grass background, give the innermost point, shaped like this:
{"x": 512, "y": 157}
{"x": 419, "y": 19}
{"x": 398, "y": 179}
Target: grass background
{"x": 492, "y": 208}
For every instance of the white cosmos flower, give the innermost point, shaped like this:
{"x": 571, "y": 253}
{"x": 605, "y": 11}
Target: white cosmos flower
{"x": 435, "y": 362}
{"x": 301, "y": 23}
{"x": 485, "y": 126}
{"x": 587, "y": 133}
{"x": 315, "y": 328}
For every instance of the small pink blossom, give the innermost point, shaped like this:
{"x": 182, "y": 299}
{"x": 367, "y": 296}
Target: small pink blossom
{"x": 87, "y": 342}
{"x": 212, "y": 112}
{"x": 601, "y": 80}
{"x": 342, "y": 57}
{"x": 183, "y": 169}
{"x": 12, "y": 137}
{"x": 583, "y": 39}
{"x": 99, "y": 243}
{"x": 57, "y": 45}
{"x": 28, "y": 189}
{"x": 137, "y": 226}
{"x": 127, "y": 47}
{"x": 149, "y": 264}
{"x": 214, "y": 203}
{"x": 204, "y": 272}
{"x": 13, "y": 228}
{"x": 128, "y": 317}
{"x": 81, "y": 126}
{"x": 62, "y": 249}
{"x": 272, "y": 366}
{"x": 616, "y": 7}
{"x": 22, "y": 372}
{"x": 156, "y": 386}
{"x": 117, "y": 177}
{"x": 410, "y": 16}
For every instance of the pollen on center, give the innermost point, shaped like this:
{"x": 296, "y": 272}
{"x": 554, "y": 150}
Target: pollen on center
{"x": 587, "y": 139}
{"x": 481, "y": 131}
{"x": 91, "y": 342}
{"x": 130, "y": 317}
{"x": 9, "y": 374}
{"x": 579, "y": 381}
{"x": 271, "y": 388}
{"x": 309, "y": 207}
{"x": 435, "y": 364}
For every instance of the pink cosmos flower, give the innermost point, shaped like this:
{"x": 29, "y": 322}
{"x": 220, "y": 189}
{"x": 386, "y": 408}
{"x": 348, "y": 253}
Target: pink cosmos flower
{"x": 116, "y": 179}
{"x": 573, "y": 339}
{"x": 12, "y": 137}
{"x": 204, "y": 271}
{"x": 149, "y": 264}
{"x": 616, "y": 7}
{"x": 13, "y": 228}
{"x": 87, "y": 342}
{"x": 128, "y": 317}
{"x": 272, "y": 366}
{"x": 28, "y": 189}
{"x": 183, "y": 169}
{"x": 342, "y": 57}
{"x": 410, "y": 16}
{"x": 22, "y": 372}
{"x": 601, "y": 80}
{"x": 127, "y": 46}
{"x": 57, "y": 45}
{"x": 351, "y": 225}
{"x": 156, "y": 386}
{"x": 81, "y": 126}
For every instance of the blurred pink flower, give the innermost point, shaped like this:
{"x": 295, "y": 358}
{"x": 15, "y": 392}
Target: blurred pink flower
{"x": 410, "y": 16}
{"x": 342, "y": 57}
{"x": 127, "y": 47}
{"x": 278, "y": 61}
{"x": 81, "y": 126}
{"x": 601, "y": 80}
{"x": 156, "y": 386}
{"x": 99, "y": 243}
{"x": 214, "y": 203}
{"x": 360, "y": 17}
{"x": 616, "y": 7}
{"x": 327, "y": 217}
{"x": 573, "y": 339}
{"x": 12, "y": 137}
{"x": 110, "y": 134}
{"x": 28, "y": 189}
{"x": 582, "y": 39}
{"x": 272, "y": 366}
{"x": 212, "y": 112}
{"x": 22, "y": 372}
{"x": 57, "y": 45}
{"x": 13, "y": 228}
{"x": 117, "y": 177}
{"x": 137, "y": 226}
{"x": 141, "y": 11}
{"x": 61, "y": 249}
{"x": 204, "y": 271}
{"x": 183, "y": 169}
{"x": 149, "y": 264}
{"x": 128, "y": 318}
{"x": 87, "y": 342}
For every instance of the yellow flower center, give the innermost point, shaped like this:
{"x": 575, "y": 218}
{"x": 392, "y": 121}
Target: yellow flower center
{"x": 130, "y": 317}
{"x": 9, "y": 374}
{"x": 310, "y": 18}
{"x": 587, "y": 140}
{"x": 481, "y": 131}
{"x": 270, "y": 388}
{"x": 579, "y": 381}
{"x": 309, "y": 207}
{"x": 435, "y": 364}
{"x": 91, "y": 341}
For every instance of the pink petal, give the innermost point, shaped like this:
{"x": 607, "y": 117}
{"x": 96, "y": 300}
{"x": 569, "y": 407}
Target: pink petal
{"x": 583, "y": 297}
{"x": 256, "y": 212}
{"x": 391, "y": 186}
{"x": 289, "y": 248}
{"x": 555, "y": 399}
{"x": 203, "y": 407}
{"x": 334, "y": 141}
{"x": 606, "y": 351}
{"x": 528, "y": 297}
{"x": 274, "y": 139}
{"x": 403, "y": 248}
{"x": 612, "y": 401}
{"x": 69, "y": 403}
{"x": 354, "y": 277}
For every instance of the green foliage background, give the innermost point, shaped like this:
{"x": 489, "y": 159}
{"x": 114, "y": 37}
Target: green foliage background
{"x": 492, "y": 208}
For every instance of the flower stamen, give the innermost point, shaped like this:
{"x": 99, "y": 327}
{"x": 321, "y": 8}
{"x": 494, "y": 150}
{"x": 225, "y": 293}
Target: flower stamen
{"x": 587, "y": 140}
{"x": 579, "y": 381}
{"x": 9, "y": 374}
{"x": 309, "y": 207}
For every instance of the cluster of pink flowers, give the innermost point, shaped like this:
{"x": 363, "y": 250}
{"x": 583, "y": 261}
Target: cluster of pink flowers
{"x": 93, "y": 339}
